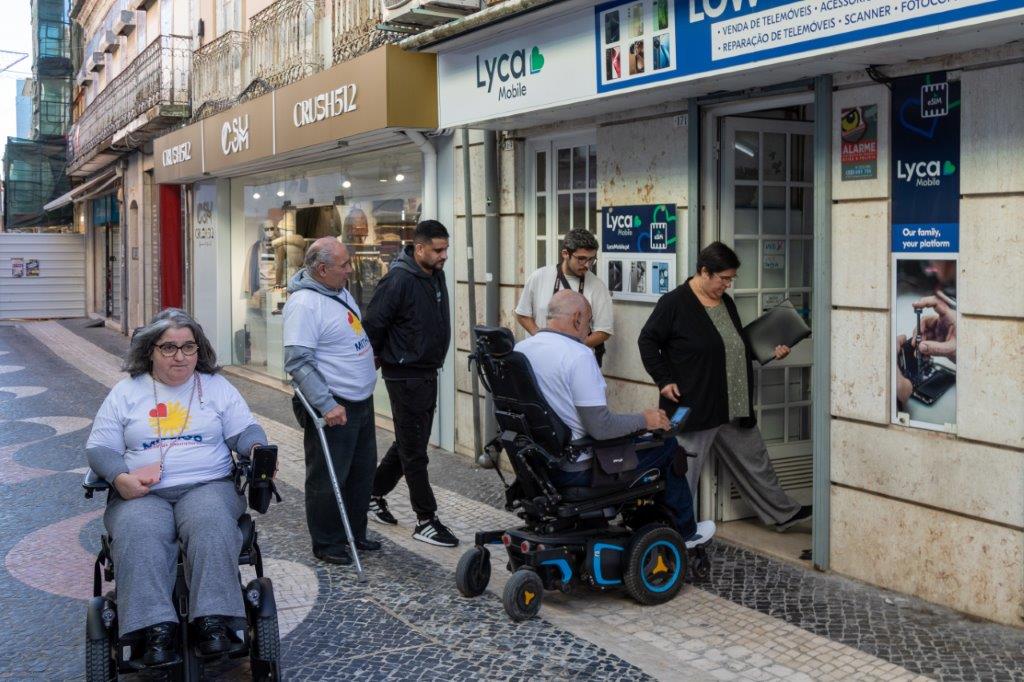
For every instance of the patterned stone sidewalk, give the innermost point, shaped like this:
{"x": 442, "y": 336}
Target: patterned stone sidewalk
{"x": 757, "y": 619}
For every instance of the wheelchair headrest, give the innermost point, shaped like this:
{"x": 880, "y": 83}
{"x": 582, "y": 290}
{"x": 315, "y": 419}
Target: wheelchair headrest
{"x": 496, "y": 341}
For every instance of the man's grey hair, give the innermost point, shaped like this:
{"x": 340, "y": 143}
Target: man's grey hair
{"x": 139, "y": 360}
{"x": 318, "y": 253}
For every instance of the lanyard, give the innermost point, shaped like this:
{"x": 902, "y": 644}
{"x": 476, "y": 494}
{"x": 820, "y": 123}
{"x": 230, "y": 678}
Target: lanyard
{"x": 340, "y": 300}
{"x": 561, "y": 279}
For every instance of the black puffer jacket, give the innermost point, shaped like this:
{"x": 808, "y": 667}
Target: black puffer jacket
{"x": 407, "y": 319}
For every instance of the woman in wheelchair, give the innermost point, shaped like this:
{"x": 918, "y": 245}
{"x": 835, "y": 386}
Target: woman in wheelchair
{"x": 163, "y": 438}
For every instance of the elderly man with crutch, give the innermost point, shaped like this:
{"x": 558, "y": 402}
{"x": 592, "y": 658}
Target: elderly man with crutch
{"x": 331, "y": 364}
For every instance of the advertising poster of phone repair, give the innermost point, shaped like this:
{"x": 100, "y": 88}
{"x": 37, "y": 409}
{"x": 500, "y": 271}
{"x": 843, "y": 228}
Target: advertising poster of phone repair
{"x": 925, "y": 243}
{"x": 639, "y": 250}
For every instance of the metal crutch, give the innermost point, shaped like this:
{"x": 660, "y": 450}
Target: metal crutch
{"x": 320, "y": 424}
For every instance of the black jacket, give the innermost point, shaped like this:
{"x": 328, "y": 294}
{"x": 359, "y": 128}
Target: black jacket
{"x": 407, "y": 319}
{"x": 680, "y": 344}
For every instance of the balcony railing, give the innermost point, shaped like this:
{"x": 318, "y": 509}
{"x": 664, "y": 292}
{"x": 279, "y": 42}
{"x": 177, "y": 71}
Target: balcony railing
{"x": 220, "y": 71}
{"x": 285, "y": 42}
{"x": 158, "y": 77}
{"x": 354, "y": 29}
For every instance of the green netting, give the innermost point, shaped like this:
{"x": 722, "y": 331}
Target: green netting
{"x": 35, "y": 174}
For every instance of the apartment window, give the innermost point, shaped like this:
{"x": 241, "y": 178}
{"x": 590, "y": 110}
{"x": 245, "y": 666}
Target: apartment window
{"x": 229, "y": 16}
{"x": 562, "y": 177}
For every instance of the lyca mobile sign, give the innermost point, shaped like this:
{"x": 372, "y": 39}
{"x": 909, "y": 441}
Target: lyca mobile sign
{"x": 509, "y": 69}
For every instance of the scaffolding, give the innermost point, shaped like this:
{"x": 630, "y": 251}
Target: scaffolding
{"x": 35, "y": 174}
{"x": 35, "y": 170}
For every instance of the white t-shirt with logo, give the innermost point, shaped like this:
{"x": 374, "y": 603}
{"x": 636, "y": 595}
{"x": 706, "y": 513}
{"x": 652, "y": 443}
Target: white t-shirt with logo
{"x": 567, "y": 375}
{"x": 540, "y": 287}
{"x": 192, "y": 438}
{"x": 340, "y": 346}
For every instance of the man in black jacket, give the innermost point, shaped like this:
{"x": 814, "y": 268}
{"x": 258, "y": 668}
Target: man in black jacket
{"x": 410, "y": 328}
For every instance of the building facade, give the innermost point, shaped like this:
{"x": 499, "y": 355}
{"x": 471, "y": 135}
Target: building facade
{"x": 857, "y": 172}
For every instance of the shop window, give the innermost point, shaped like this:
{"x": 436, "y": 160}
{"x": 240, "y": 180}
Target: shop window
{"x": 563, "y": 176}
{"x": 370, "y": 202}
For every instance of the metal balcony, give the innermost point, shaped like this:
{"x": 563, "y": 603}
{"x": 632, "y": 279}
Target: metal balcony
{"x": 354, "y": 29}
{"x": 285, "y": 42}
{"x": 220, "y": 71}
{"x": 149, "y": 95}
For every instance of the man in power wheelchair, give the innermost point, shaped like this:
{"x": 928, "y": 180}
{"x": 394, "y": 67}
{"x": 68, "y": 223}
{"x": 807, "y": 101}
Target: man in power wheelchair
{"x": 548, "y": 393}
{"x": 176, "y": 525}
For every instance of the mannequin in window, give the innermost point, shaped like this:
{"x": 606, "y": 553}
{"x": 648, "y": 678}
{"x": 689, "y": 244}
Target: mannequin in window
{"x": 289, "y": 250}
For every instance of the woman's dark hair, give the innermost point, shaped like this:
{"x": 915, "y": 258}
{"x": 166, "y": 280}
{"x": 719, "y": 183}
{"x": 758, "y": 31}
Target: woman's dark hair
{"x": 140, "y": 354}
{"x": 717, "y": 257}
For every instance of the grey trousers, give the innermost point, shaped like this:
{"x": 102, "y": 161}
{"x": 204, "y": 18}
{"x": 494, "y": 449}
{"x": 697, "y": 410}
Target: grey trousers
{"x": 743, "y": 453}
{"x": 144, "y": 536}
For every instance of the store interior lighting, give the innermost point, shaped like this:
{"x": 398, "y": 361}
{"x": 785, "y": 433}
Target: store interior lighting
{"x": 346, "y": 184}
{"x": 399, "y": 177}
{"x": 280, "y": 192}
{"x": 255, "y": 195}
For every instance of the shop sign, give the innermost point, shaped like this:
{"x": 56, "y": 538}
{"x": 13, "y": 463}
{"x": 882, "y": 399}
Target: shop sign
{"x": 925, "y": 241}
{"x": 234, "y": 135}
{"x": 640, "y": 42}
{"x": 326, "y": 105}
{"x": 638, "y": 245}
{"x": 925, "y": 164}
{"x": 385, "y": 88}
{"x": 178, "y": 154}
{"x": 858, "y": 128}
{"x": 240, "y": 134}
{"x": 547, "y": 65}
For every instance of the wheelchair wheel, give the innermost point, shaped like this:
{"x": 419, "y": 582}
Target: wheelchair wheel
{"x": 656, "y": 565}
{"x": 99, "y": 666}
{"x": 473, "y": 572}
{"x": 265, "y": 637}
{"x": 523, "y": 594}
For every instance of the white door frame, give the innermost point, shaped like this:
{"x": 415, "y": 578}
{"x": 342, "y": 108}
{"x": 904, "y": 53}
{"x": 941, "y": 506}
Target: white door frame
{"x": 709, "y": 220}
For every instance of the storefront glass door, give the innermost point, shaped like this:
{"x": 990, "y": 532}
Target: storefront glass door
{"x": 766, "y": 215}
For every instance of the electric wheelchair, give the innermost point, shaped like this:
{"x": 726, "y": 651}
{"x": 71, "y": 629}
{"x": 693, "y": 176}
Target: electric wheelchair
{"x": 255, "y": 636}
{"x": 570, "y": 535}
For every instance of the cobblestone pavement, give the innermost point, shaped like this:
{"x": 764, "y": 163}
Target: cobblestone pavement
{"x": 756, "y": 619}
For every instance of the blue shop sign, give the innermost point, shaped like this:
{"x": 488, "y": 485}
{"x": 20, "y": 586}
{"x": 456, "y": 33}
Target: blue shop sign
{"x": 925, "y": 164}
{"x": 646, "y": 41}
{"x": 639, "y": 229}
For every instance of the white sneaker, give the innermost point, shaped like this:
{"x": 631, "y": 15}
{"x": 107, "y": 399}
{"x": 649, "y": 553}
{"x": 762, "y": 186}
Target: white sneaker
{"x": 705, "y": 531}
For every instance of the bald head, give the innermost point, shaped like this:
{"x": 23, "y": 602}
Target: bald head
{"x": 569, "y": 313}
{"x": 328, "y": 262}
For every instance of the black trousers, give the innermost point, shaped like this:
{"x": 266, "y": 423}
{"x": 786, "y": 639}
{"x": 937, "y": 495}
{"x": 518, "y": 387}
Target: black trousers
{"x": 413, "y": 402}
{"x": 354, "y": 456}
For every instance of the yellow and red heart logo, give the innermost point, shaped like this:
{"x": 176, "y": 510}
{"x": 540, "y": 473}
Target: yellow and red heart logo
{"x": 173, "y": 418}
{"x": 356, "y": 325}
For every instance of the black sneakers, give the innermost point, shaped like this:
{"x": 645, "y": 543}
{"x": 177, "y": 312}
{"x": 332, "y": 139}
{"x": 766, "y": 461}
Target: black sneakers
{"x": 434, "y": 532}
{"x": 379, "y": 511}
{"x": 161, "y": 645}
{"x": 213, "y": 636}
{"x": 802, "y": 514}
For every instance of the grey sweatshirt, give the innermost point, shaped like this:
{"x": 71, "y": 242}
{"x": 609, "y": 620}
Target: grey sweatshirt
{"x": 600, "y": 423}
{"x": 300, "y": 362}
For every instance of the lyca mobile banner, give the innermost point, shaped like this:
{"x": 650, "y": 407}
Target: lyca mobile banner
{"x": 653, "y": 40}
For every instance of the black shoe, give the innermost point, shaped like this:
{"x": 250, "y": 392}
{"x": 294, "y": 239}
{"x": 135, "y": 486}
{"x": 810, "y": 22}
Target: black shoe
{"x": 435, "y": 533}
{"x": 161, "y": 645}
{"x": 367, "y": 545}
{"x": 212, "y": 634}
{"x": 802, "y": 514}
{"x": 379, "y": 512}
{"x": 339, "y": 557}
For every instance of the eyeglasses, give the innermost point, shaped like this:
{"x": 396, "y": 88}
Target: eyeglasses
{"x": 585, "y": 260}
{"x": 169, "y": 350}
{"x": 727, "y": 280}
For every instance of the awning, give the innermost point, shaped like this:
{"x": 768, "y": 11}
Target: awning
{"x": 97, "y": 185}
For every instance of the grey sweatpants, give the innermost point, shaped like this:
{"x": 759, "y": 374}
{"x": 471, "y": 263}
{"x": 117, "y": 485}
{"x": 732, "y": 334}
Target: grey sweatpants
{"x": 144, "y": 536}
{"x": 743, "y": 453}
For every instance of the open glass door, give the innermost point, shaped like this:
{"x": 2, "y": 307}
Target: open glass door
{"x": 766, "y": 216}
